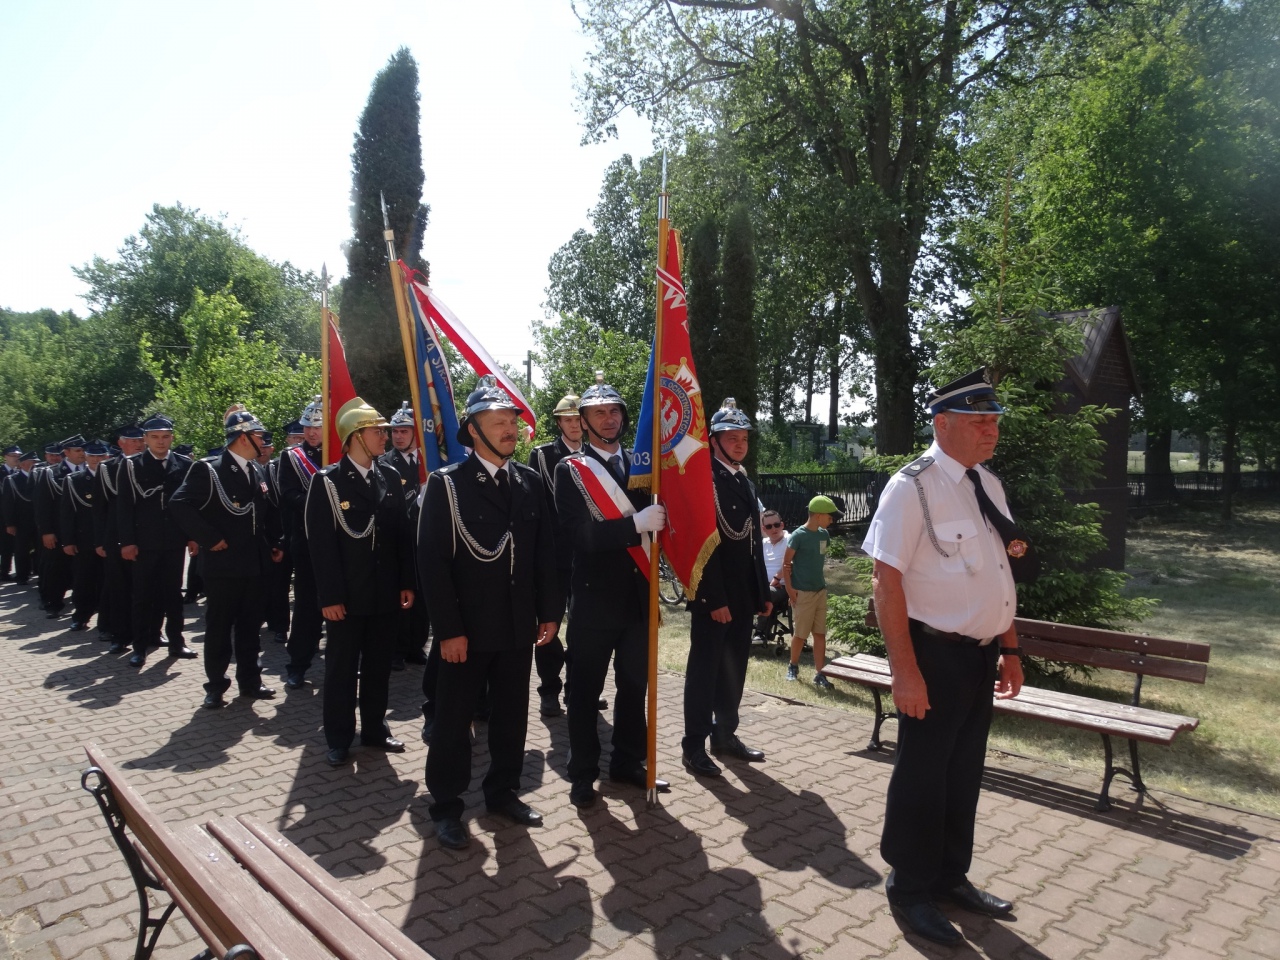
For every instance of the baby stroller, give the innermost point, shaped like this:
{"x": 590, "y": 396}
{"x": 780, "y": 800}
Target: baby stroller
{"x": 776, "y": 628}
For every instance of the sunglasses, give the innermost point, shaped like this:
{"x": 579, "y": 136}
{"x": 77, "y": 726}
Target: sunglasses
{"x": 773, "y": 526}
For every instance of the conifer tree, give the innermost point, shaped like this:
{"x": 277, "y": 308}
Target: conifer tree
{"x": 386, "y": 162}
{"x": 702, "y": 289}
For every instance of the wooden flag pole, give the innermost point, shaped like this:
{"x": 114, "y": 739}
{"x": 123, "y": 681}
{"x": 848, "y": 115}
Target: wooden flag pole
{"x": 655, "y": 489}
{"x": 325, "y": 412}
{"x": 407, "y": 339}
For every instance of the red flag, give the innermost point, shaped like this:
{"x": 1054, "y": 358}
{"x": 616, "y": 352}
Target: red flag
{"x": 685, "y": 459}
{"x": 339, "y": 389}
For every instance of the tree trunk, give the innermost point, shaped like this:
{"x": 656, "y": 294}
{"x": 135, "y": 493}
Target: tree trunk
{"x": 1230, "y": 469}
{"x": 1204, "y": 451}
{"x": 1159, "y": 471}
{"x": 833, "y": 406}
{"x": 895, "y": 378}
{"x": 810, "y": 367}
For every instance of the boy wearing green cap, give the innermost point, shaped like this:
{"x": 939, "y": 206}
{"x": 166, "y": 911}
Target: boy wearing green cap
{"x": 807, "y": 586}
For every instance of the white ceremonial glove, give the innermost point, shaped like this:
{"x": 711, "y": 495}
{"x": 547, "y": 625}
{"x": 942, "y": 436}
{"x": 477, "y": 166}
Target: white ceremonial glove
{"x": 651, "y": 519}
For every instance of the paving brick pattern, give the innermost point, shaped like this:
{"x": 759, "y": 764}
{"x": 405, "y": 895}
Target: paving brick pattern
{"x": 774, "y": 860}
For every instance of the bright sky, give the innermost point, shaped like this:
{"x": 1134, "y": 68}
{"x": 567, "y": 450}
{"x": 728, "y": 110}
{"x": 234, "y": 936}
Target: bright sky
{"x": 250, "y": 108}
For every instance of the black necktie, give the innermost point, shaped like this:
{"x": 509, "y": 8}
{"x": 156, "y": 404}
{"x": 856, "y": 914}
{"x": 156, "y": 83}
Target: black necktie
{"x": 504, "y": 484}
{"x": 615, "y": 467}
{"x": 1003, "y": 525}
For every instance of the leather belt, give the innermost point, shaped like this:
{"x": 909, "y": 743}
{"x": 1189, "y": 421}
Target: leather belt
{"x": 922, "y": 627}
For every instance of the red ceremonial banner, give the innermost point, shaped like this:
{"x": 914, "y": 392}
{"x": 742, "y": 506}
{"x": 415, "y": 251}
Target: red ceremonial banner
{"x": 341, "y": 389}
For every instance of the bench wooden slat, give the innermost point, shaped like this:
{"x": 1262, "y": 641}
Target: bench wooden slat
{"x": 341, "y": 932}
{"x": 176, "y": 866}
{"x": 272, "y": 931}
{"x": 1129, "y": 662}
{"x": 1108, "y": 708}
{"x": 1066, "y": 709}
{"x": 1114, "y": 639}
{"x": 372, "y": 923}
{"x": 204, "y": 931}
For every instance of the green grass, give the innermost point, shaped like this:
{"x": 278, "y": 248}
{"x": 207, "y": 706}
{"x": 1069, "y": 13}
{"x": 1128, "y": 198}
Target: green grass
{"x": 1216, "y": 583}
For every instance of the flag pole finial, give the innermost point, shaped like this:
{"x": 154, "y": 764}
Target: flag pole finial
{"x": 599, "y": 376}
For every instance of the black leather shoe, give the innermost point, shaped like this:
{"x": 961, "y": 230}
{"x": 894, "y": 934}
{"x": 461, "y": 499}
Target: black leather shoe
{"x": 736, "y": 748}
{"x": 212, "y": 701}
{"x": 117, "y": 647}
{"x": 639, "y": 777}
{"x": 603, "y": 704}
{"x": 700, "y": 765}
{"x": 280, "y": 637}
{"x": 926, "y": 920}
{"x": 336, "y": 757}
{"x": 397, "y": 663}
{"x": 416, "y": 658}
{"x": 137, "y": 660}
{"x": 183, "y": 653}
{"x": 976, "y": 901}
{"x": 389, "y": 744}
{"x": 295, "y": 681}
{"x": 76, "y": 626}
{"x": 427, "y": 724}
{"x": 191, "y": 596}
{"x": 517, "y": 811}
{"x": 550, "y": 707}
{"x": 262, "y": 693}
{"x": 582, "y": 794}
{"x": 452, "y": 833}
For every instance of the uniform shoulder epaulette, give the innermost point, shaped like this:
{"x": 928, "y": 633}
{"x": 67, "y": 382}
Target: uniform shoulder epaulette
{"x": 331, "y": 468}
{"x": 918, "y": 466}
{"x": 523, "y": 468}
{"x": 448, "y": 468}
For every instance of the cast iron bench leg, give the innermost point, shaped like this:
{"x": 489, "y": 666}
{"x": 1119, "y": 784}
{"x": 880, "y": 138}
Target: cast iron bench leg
{"x": 881, "y": 717}
{"x": 149, "y": 928}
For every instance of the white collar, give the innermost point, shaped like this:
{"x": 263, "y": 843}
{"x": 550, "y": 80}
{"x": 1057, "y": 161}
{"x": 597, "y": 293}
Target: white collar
{"x": 492, "y": 467}
{"x": 952, "y": 467}
{"x": 605, "y": 455}
{"x": 243, "y": 463}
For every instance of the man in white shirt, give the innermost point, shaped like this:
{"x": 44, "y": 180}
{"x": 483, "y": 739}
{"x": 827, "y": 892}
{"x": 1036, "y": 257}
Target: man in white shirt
{"x": 945, "y": 601}
{"x": 775, "y": 548}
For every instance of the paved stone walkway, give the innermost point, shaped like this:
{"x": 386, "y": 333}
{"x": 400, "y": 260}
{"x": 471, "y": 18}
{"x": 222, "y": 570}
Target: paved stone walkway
{"x": 775, "y": 860}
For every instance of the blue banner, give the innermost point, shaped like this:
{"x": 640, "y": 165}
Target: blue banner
{"x": 439, "y": 416}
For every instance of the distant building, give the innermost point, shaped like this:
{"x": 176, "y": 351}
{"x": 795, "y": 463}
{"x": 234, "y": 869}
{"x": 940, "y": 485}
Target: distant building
{"x": 1103, "y": 375}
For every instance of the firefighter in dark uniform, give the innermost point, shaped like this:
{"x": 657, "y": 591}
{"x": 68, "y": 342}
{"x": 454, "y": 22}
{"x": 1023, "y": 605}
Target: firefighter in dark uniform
{"x": 548, "y": 658}
{"x": 609, "y": 594}
{"x": 20, "y": 518}
{"x": 402, "y": 460}
{"x": 280, "y": 575}
{"x": 55, "y": 566}
{"x": 7, "y": 469}
{"x": 362, "y": 553}
{"x": 226, "y": 508}
{"x": 78, "y": 535}
{"x": 733, "y": 589}
{"x": 115, "y": 616}
{"x": 486, "y": 550}
{"x": 947, "y": 615}
{"x": 298, "y": 466}
{"x": 153, "y": 541}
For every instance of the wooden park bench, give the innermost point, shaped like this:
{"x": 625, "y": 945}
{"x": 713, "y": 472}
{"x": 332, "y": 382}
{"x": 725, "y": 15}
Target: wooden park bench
{"x": 246, "y": 890}
{"x": 1132, "y": 653}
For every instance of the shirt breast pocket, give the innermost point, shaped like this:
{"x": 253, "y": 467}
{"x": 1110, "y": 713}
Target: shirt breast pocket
{"x": 959, "y": 538}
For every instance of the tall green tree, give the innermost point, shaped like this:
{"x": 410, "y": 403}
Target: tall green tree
{"x": 386, "y": 163}
{"x": 228, "y": 363}
{"x": 862, "y": 95}
{"x": 736, "y": 343}
{"x": 702, "y": 295}
{"x": 152, "y": 283}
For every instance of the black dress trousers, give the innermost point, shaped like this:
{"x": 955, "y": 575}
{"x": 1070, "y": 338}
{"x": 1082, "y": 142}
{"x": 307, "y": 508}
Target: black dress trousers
{"x": 715, "y": 674}
{"x": 588, "y": 660}
{"x": 932, "y": 801}
{"x": 233, "y": 615}
{"x": 157, "y": 597}
{"x": 357, "y": 666}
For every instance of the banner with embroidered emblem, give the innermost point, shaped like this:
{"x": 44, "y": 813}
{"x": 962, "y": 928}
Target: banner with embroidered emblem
{"x": 597, "y": 484}
{"x": 686, "y": 489}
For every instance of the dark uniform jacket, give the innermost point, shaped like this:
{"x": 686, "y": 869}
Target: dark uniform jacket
{"x": 46, "y": 497}
{"x": 16, "y": 500}
{"x": 146, "y": 487}
{"x": 607, "y": 586}
{"x": 80, "y": 493}
{"x": 407, "y": 474}
{"x": 360, "y": 540}
{"x": 734, "y": 575}
{"x": 294, "y": 482}
{"x": 219, "y": 501}
{"x": 106, "y": 506}
{"x": 490, "y": 574}
{"x": 544, "y": 458}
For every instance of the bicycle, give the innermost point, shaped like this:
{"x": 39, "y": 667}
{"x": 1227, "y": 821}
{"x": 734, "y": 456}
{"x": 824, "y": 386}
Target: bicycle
{"x": 670, "y": 590}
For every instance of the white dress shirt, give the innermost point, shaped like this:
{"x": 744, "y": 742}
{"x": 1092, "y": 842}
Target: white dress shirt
{"x": 971, "y": 590}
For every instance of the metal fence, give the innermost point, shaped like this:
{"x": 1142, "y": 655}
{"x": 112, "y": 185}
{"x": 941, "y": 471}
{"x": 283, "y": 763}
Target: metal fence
{"x": 853, "y": 491}
{"x": 1147, "y": 491}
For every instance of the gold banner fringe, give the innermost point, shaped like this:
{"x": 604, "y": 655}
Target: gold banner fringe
{"x": 691, "y": 588}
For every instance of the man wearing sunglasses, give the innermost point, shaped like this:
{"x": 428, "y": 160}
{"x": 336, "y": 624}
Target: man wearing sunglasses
{"x": 775, "y": 548}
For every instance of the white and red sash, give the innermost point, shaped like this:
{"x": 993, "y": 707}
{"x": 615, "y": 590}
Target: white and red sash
{"x": 302, "y": 463}
{"x": 610, "y": 502}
